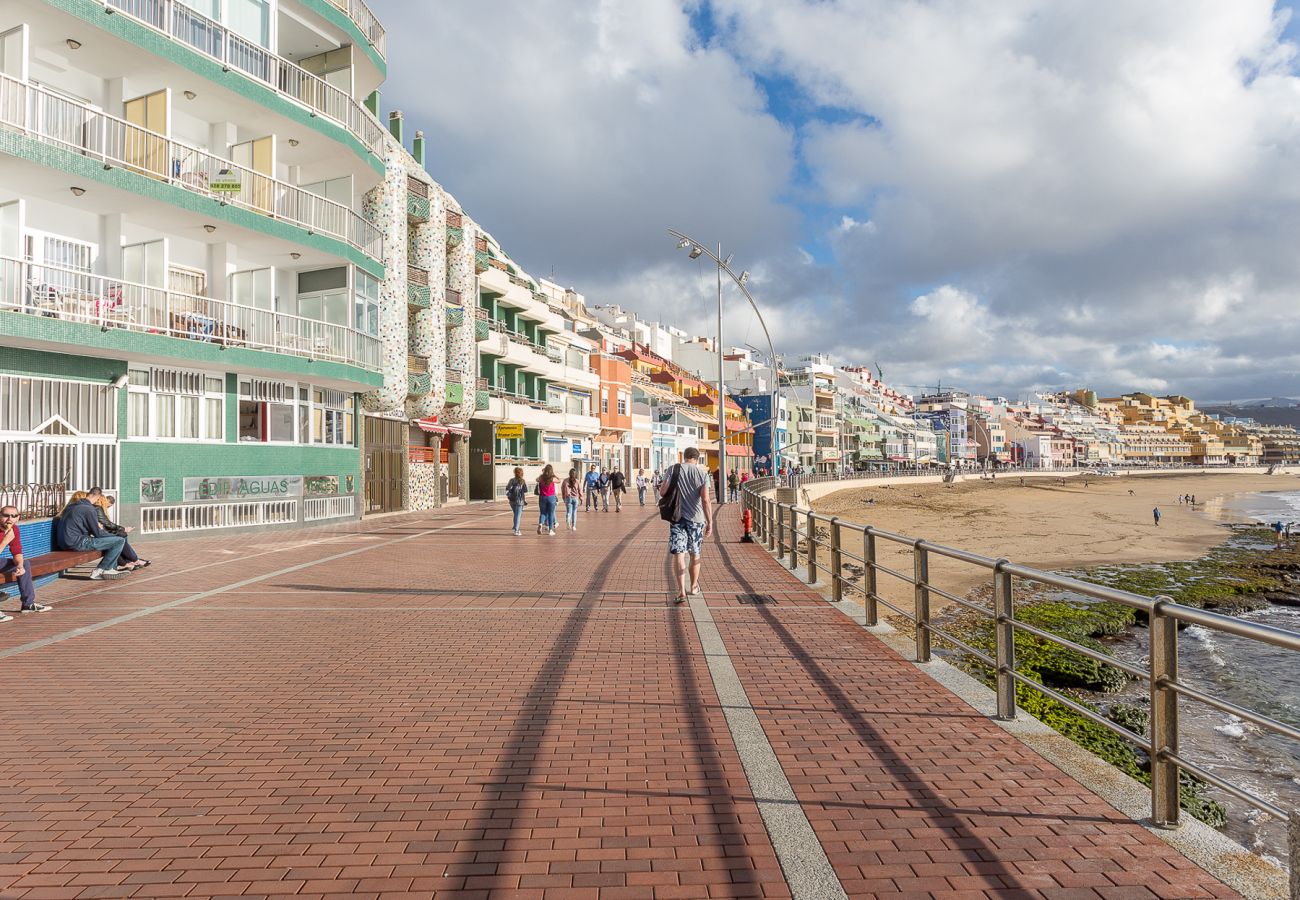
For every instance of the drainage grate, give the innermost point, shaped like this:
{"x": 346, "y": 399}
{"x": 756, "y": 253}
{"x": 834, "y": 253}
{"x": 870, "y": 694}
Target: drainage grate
{"x": 758, "y": 599}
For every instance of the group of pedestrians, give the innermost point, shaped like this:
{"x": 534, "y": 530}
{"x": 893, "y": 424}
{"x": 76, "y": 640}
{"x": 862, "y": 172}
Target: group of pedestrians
{"x": 685, "y": 501}
{"x": 83, "y": 525}
{"x": 596, "y": 487}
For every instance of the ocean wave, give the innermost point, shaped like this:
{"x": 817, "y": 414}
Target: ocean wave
{"x": 1206, "y": 638}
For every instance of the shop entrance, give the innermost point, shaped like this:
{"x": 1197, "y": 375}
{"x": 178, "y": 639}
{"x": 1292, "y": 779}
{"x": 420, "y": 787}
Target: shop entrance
{"x": 385, "y": 450}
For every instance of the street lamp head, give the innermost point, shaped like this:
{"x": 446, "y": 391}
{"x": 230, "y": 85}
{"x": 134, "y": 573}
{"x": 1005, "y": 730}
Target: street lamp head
{"x": 744, "y": 276}
{"x": 683, "y": 244}
{"x": 696, "y": 252}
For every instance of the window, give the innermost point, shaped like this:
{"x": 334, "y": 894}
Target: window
{"x": 604, "y": 402}
{"x": 366, "y": 300}
{"x": 279, "y": 413}
{"x": 323, "y": 295}
{"x": 173, "y": 404}
{"x": 622, "y": 403}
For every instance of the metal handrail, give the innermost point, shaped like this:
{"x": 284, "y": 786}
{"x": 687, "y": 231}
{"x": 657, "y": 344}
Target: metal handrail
{"x": 54, "y": 119}
{"x": 181, "y": 23}
{"x": 57, "y": 292}
{"x": 366, "y": 21}
{"x": 792, "y": 531}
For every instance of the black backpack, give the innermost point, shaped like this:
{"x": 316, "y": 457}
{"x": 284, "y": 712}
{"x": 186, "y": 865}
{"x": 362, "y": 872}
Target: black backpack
{"x": 671, "y": 502}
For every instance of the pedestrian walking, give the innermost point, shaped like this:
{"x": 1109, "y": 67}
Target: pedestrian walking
{"x": 592, "y": 485}
{"x": 79, "y": 530}
{"x": 103, "y": 504}
{"x": 517, "y": 496}
{"x": 1193, "y": 501}
{"x": 16, "y": 564}
{"x": 692, "y": 521}
{"x": 1155, "y": 513}
{"x": 1277, "y": 534}
{"x": 641, "y": 484}
{"x": 602, "y": 482}
{"x": 733, "y": 485}
{"x": 546, "y": 500}
{"x": 571, "y": 492}
{"x": 618, "y": 487}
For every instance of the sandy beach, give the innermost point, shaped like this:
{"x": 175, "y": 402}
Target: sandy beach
{"x": 1051, "y": 526}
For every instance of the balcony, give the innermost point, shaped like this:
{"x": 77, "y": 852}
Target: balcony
{"x": 417, "y": 199}
{"x": 482, "y": 398}
{"x": 418, "y": 294}
{"x": 83, "y": 130}
{"x": 186, "y": 26}
{"x": 419, "y": 384}
{"x": 417, "y": 364}
{"x": 54, "y": 292}
{"x": 482, "y": 325}
{"x": 455, "y": 316}
{"x": 365, "y": 21}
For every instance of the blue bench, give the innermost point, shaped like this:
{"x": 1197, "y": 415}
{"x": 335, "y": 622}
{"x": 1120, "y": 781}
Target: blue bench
{"x": 41, "y": 559}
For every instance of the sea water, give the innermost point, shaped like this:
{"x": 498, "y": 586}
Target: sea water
{"x": 1252, "y": 675}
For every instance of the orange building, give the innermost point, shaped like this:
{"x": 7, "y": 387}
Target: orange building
{"x": 703, "y": 399}
{"x": 612, "y": 446}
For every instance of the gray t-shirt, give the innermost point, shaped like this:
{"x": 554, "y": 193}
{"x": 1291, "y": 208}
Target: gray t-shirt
{"x": 691, "y": 478}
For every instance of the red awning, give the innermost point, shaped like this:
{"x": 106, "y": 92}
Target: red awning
{"x": 734, "y": 450}
{"x": 432, "y": 426}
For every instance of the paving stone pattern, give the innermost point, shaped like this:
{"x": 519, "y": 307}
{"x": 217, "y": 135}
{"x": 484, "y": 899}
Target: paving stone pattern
{"x": 427, "y": 706}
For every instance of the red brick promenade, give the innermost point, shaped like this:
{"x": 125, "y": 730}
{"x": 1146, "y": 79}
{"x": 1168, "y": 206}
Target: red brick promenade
{"x": 425, "y": 705}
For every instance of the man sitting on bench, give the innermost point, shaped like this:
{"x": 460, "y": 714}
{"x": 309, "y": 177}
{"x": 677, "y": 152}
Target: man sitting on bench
{"x": 79, "y": 530}
{"x": 10, "y": 538}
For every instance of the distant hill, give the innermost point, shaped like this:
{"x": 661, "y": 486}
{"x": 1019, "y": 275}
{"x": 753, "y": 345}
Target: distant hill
{"x": 1277, "y": 411}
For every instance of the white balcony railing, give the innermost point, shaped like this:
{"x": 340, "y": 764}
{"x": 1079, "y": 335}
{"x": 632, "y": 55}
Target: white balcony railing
{"x": 365, "y": 20}
{"x": 59, "y": 293}
{"x": 56, "y": 120}
{"x": 209, "y": 37}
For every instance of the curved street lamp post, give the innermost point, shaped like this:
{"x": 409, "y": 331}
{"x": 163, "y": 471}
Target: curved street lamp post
{"x": 724, "y": 265}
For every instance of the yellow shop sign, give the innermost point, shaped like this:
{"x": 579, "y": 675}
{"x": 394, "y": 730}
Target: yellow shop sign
{"x": 506, "y": 432}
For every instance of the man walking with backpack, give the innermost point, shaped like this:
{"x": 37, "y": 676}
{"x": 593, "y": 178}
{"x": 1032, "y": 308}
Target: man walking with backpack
{"x": 686, "y": 505}
{"x": 618, "y": 485}
{"x": 592, "y": 485}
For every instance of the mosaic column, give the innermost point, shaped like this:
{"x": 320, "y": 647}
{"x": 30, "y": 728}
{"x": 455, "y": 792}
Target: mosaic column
{"x": 428, "y": 251}
{"x": 462, "y": 345}
{"x": 385, "y": 206}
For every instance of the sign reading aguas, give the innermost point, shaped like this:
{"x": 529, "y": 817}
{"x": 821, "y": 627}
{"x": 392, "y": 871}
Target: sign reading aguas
{"x": 234, "y": 487}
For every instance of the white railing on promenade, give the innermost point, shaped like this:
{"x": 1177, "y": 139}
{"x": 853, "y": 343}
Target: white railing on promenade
{"x": 57, "y": 120}
{"x": 823, "y": 546}
{"x": 202, "y": 516}
{"x": 317, "y": 508}
{"x": 61, "y": 293}
{"x": 365, "y": 20}
{"x": 184, "y": 24}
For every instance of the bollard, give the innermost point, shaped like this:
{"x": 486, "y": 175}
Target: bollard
{"x": 837, "y": 582}
{"x": 869, "y": 575}
{"x": 1164, "y": 716}
{"x": 1005, "y": 636}
{"x": 921, "y": 578}
{"x": 812, "y": 547}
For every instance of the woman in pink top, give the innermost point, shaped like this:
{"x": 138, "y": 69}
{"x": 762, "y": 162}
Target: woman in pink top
{"x": 546, "y": 500}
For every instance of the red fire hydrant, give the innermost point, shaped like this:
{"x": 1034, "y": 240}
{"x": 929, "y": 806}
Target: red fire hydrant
{"x": 747, "y": 522}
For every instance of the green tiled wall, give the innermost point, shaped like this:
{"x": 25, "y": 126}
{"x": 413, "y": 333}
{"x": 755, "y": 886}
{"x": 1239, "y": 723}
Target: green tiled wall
{"x": 175, "y": 461}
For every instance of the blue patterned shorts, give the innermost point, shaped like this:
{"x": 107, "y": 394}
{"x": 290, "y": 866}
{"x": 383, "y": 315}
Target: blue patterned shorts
{"x": 685, "y": 536}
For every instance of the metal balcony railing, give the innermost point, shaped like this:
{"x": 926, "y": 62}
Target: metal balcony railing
{"x": 454, "y": 220}
{"x": 416, "y": 275}
{"x": 417, "y": 364}
{"x": 56, "y": 120}
{"x": 193, "y": 29}
{"x": 826, "y": 544}
{"x": 60, "y": 293}
{"x": 365, "y": 21}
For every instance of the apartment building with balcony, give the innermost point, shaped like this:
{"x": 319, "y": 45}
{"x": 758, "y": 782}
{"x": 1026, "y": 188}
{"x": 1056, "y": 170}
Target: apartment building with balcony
{"x": 536, "y": 374}
{"x": 191, "y": 293}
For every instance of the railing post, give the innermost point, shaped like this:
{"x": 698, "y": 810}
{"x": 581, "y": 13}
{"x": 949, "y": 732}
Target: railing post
{"x": 920, "y": 579}
{"x": 837, "y": 581}
{"x": 1293, "y": 842}
{"x": 780, "y": 531}
{"x": 1005, "y": 637}
{"x": 1163, "y": 632}
{"x": 869, "y": 575}
{"x": 771, "y": 524}
{"x": 812, "y": 547}
{"x": 794, "y": 537}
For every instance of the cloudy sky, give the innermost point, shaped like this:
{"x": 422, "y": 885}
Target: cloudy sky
{"x": 1000, "y": 194}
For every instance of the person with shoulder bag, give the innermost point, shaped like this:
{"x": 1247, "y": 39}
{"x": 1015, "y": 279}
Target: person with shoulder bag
{"x": 685, "y": 503}
{"x": 517, "y": 495}
{"x": 546, "y": 500}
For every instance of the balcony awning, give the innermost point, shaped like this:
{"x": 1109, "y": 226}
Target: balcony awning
{"x": 432, "y": 426}
{"x": 736, "y": 450}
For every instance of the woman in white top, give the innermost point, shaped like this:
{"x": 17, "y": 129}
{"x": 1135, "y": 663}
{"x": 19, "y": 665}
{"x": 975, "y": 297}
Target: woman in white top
{"x": 641, "y": 484}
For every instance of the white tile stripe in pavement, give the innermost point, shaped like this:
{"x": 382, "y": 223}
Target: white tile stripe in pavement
{"x": 807, "y": 870}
